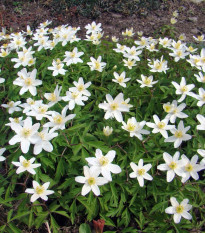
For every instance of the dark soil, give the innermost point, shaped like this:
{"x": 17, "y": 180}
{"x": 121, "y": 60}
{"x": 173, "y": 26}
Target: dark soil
{"x": 15, "y": 15}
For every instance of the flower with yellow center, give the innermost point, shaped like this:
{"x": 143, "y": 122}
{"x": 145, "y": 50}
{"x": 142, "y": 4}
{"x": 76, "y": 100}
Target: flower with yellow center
{"x": 172, "y": 165}
{"x": 58, "y": 119}
{"x": 91, "y": 180}
{"x": 191, "y": 168}
{"x": 179, "y": 135}
{"x": 104, "y": 163}
{"x": 179, "y": 209}
{"x": 26, "y": 165}
{"x": 160, "y": 126}
{"x": 39, "y": 191}
{"x": 140, "y": 172}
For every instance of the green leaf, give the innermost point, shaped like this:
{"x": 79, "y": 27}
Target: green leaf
{"x": 62, "y": 213}
{"x": 84, "y": 228}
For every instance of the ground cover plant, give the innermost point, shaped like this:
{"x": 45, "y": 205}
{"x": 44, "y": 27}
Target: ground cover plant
{"x": 101, "y": 130}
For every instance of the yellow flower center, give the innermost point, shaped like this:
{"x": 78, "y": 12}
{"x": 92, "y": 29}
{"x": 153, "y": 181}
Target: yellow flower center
{"x": 58, "y": 119}
{"x": 91, "y": 181}
{"x": 130, "y": 63}
{"x": 196, "y": 60}
{"x": 167, "y": 108}
{"x": 52, "y": 97}
{"x": 114, "y": 106}
{"x": 59, "y": 66}
{"x": 141, "y": 172}
{"x": 40, "y": 189}
{"x": 179, "y": 209}
{"x": 16, "y": 120}
{"x": 81, "y": 87}
{"x": 161, "y": 125}
{"x": 26, "y": 132}
{"x": 26, "y": 163}
{"x": 18, "y": 42}
{"x": 131, "y": 127}
{"x": 97, "y": 65}
{"x": 178, "y": 134}
{"x": 189, "y": 167}
{"x": 4, "y": 54}
{"x": 42, "y": 109}
{"x": 143, "y": 42}
{"x": 200, "y": 38}
{"x": 103, "y": 161}
{"x": 147, "y": 81}
{"x": 28, "y": 81}
{"x": 31, "y": 102}
{"x": 72, "y": 54}
{"x": 120, "y": 79}
{"x": 10, "y": 104}
{"x": 178, "y": 44}
{"x": 75, "y": 94}
{"x": 158, "y": 65}
{"x": 184, "y": 89}
{"x": 191, "y": 48}
{"x": 173, "y": 165}
{"x": 122, "y": 47}
{"x": 31, "y": 61}
{"x": 41, "y": 135}
{"x": 179, "y": 53}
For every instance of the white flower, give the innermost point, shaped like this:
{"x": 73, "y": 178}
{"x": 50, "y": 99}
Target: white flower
{"x": 183, "y": 89}
{"x": 93, "y": 27}
{"x": 42, "y": 141}
{"x": 24, "y": 134}
{"x": 114, "y": 107}
{"x": 191, "y": 168}
{"x": 146, "y": 81}
{"x": 53, "y": 97}
{"x": 179, "y": 135}
{"x": 2, "y": 150}
{"x": 201, "y": 119}
{"x": 27, "y": 81}
{"x": 160, "y": 126}
{"x": 12, "y": 106}
{"x": 174, "y": 111}
{"x": 57, "y": 120}
{"x": 129, "y": 63}
{"x": 57, "y": 67}
{"x": 2, "y": 80}
{"x": 179, "y": 54}
{"x": 172, "y": 165}
{"x": 91, "y": 180}
{"x": 39, "y": 191}
{"x": 16, "y": 120}
{"x": 158, "y": 65}
{"x": 200, "y": 77}
{"x": 96, "y": 64}
{"x": 135, "y": 128}
{"x": 26, "y": 165}
{"x": 120, "y": 48}
{"x": 39, "y": 111}
{"x": 81, "y": 87}
{"x": 73, "y": 57}
{"x": 200, "y": 97}
{"x": 104, "y": 163}
{"x": 28, "y": 106}
{"x": 202, "y": 153}
{"x": 132, "y": 53}
{"x": 140, "y": 172}
{"x": 120, "y": 79}
{"x": 179, "y": 210}
{"x": 107, "y": 131}
{"x": 199, "y": 38}
{"x": 74, "y": 98}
